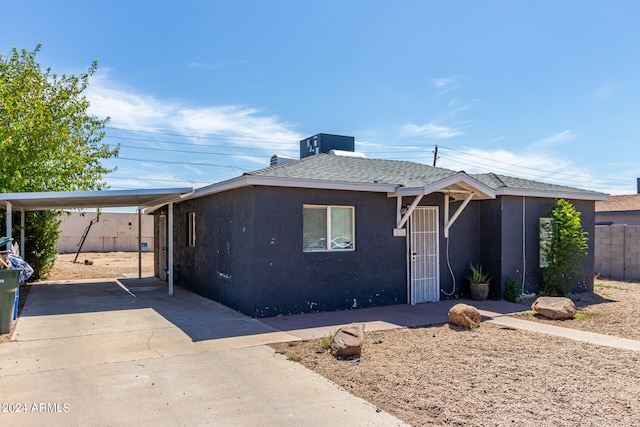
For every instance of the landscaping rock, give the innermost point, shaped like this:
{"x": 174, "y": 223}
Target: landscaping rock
{"x": 348, "y": 340}
{"x": 554, "y": 307}
{"x": 465, "y": 315}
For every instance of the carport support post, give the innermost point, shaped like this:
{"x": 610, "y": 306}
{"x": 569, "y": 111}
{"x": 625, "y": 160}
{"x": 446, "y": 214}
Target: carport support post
{"x": 139, "y": 243}
{"x": 23, "y": 221}
{"x": 170, "y": 248}
{"x": 9, "y": 222}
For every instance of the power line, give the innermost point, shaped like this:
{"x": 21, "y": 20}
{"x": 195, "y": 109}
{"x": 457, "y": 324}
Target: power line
{"x": 182, "y": 163}
{"x": 188, "y": 143}
{"x": 524, "y": 167}
{"x": 189, "y": 151}
{"x": 200, "y": 136}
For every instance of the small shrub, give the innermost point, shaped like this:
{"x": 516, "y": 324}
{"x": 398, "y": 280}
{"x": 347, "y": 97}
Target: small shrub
{"x": 326, "y": 341}
{"x": 529, "y": 313}
{"x": 513, "y": 289}
{"x": 292, "y": 343}
{"x": 294, "y": 357}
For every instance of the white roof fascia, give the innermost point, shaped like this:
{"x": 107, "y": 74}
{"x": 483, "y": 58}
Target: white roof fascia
{"x": 476, "y": 186}
{"x": 551, "y": 194}
{"x": 269, "y": 181}
{"x": 157, "y": 204}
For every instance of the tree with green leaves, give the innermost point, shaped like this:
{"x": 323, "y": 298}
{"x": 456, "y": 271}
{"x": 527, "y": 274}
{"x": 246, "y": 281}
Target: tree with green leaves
{"x": 48, "y": 142}
{"x": 566, "y": 249}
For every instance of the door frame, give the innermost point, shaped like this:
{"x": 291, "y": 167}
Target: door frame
{"x": 411, "y": 254}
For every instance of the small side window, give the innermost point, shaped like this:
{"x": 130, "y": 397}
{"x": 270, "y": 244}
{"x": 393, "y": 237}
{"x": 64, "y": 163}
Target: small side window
{"x": 191, "y": 227}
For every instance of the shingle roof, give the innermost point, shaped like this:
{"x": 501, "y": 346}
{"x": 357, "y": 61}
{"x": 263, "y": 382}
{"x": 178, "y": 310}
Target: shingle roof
{"x": 623, "y": 203}
{"x": 400, "y": 173}
{"x": 496, "y": 181}
{"x": 328, "y": 167}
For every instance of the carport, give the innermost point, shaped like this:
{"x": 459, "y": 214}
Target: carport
{"x": 141, "y": 199}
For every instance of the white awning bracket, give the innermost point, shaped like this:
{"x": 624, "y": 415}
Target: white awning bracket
{"x": 404, "y": 218}
{"x": 448, "y": 222}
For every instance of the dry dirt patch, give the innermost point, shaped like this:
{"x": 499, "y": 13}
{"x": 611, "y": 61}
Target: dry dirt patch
{"x": 496, "y": 376}
{"x": 613, "y": 309}
{"x": 100, "y": 265}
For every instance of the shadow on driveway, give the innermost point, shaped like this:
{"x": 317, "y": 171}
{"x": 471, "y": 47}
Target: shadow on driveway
{"x": 198, "y": 317}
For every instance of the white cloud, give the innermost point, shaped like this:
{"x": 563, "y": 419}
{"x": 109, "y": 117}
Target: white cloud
{"x": 431, "y": 130}
{"x": 205, "y": 65}
{"x": 606, "y": 90}
{"x": 558, "y": 138}
{"x": 541, "y": 166}
{"x": 446, "y": 84}
{"x": 131, "y": 110}
{"x": 227, "y": 131}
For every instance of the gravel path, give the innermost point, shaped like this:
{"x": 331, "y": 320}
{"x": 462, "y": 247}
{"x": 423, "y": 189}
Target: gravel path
{"x": 495, "y": 376}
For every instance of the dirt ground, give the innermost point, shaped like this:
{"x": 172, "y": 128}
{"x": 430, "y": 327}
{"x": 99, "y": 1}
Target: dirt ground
{"x": 91, "y": 265}
{"x": 496, "y": 376}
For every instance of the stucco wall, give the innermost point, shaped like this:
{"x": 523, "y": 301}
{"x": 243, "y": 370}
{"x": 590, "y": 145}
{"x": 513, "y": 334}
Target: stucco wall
{"x": 114, "y": 232}
{"x": 617, "y": 251}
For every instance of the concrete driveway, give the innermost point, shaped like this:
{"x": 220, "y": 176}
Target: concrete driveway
{"x": 125, "y": 353}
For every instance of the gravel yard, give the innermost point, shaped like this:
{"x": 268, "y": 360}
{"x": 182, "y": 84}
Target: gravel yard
{"x": 495, "y": 376}
{"x": 490, "y": 376}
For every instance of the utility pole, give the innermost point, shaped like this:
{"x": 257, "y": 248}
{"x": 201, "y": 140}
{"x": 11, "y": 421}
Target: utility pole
{"x": 435, "y": 156}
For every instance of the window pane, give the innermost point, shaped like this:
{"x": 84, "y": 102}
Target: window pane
{"x": 314, "y": 228}
{"x": 341, "y": 228}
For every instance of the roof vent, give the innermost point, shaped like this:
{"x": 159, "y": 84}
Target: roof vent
{"x": 279, "y": 160}
{"x": 323, "y": 143}
{"x": 347, "y": 153}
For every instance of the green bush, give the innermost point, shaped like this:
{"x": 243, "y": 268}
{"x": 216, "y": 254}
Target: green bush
{"x": 513, "y": 290}
{"x": 566, "y": 250}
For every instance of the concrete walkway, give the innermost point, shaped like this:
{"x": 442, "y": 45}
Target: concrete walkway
{"x": 125, "y": 353}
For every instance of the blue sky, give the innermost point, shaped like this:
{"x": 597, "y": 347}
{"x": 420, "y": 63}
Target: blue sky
{"x": 201, "y": 91}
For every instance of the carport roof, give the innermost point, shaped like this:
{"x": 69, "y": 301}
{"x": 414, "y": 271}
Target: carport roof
{"x": 91, "y": 199}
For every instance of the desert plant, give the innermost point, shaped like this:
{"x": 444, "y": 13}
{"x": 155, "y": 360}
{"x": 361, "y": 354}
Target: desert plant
{"x": 513, "y": 290}
{"x": 477, "y": 275}
{"x": 568, "y": 246}
{"x": 326, "y": 341}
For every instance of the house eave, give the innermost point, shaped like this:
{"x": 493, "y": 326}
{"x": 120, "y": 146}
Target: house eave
{"x": 268, "y": 181}
{"x": 551, "y": 194}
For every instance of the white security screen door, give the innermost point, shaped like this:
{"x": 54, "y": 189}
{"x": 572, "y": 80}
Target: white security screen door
{"x": 424, "y": 259}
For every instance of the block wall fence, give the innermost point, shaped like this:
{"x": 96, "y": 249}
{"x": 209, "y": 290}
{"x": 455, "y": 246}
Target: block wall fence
{"x": 617, "y": 251}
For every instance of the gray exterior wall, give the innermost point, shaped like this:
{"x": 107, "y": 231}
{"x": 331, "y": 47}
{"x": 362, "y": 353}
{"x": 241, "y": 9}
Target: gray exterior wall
{"x": 249, "y": 256}
{"x": 506, "y": 221}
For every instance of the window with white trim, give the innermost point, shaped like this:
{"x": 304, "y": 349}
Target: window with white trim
{"x": 328, "y": 228}
{"x": 191, "y": 227}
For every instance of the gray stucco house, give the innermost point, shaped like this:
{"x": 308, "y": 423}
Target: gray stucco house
{"x": 333, "y": 232}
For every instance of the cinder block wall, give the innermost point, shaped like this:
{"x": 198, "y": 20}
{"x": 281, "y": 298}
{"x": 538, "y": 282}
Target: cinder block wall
{"x": 114, "y": 232}
{"x": 617, "y": 251}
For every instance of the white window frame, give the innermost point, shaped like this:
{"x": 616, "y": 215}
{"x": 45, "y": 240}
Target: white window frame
{"x": 328, "y": 228}
{"x": 191, "y": 227}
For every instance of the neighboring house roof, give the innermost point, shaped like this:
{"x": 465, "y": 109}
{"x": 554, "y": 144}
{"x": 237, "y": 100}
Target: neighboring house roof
{"x": 622, "y": 203}
{"x": 397, "y": 178}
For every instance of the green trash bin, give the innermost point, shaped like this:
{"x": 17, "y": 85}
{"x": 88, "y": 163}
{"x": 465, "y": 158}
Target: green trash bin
{"x": 9, "y": 282}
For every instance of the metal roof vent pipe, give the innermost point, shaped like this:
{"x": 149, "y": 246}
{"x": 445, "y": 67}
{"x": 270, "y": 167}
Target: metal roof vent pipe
{"x": 279, "y": 160}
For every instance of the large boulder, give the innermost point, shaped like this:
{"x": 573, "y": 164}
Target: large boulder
{"x": 347, "y": 341}
{"x": 465, "y": 315}
{"x": 554, "y": 307}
